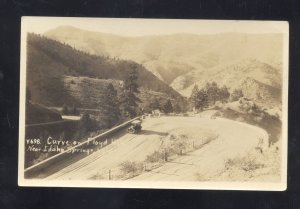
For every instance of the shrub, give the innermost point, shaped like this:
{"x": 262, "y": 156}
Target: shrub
{"x": 155, "y": 157}
{"x": 246, "y": 163}
{"x": 97, "y": 176}
{"x": 131, "y": 167}
{"x": 218, "y": 114}
{"x": 236, "y": 95}
{"x": 179, "y": 147}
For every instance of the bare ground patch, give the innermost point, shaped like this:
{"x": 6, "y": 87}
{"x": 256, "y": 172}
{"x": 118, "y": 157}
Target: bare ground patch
{"x": 254, "y": 166}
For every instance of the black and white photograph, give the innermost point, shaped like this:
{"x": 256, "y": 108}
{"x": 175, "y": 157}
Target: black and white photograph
{"x": 153, "y": 103}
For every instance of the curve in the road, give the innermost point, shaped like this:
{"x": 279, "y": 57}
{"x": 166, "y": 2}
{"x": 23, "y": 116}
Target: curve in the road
{"x": 235, "y": 139}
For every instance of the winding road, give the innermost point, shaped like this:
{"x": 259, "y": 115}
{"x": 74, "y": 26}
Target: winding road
{"x": 234, "y": 139}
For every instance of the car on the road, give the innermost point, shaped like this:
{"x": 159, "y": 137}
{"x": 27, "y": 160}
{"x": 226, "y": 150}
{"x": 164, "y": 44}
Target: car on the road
{"x": 136, "y": 127}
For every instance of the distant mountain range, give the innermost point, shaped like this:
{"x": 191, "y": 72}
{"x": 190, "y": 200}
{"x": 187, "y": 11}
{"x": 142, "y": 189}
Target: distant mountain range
{"x": 59, "y": 74}
{"x": 183, "y": 60}
{"x": 258, "y": 80}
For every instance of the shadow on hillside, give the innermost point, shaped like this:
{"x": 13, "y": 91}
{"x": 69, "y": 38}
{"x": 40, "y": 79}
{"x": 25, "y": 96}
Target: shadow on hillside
{"x": 149, "y": 132}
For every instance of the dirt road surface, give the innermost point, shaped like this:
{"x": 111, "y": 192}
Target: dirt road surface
{"x": 234, "y": 139}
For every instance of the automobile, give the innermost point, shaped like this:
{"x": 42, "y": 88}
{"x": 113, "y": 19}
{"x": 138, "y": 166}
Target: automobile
{"x": 135, "y": 127}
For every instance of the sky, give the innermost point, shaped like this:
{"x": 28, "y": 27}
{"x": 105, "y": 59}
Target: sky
{"x": 143, "y": 27}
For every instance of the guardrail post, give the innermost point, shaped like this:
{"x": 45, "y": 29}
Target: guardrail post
{"x": 109, "y": 174}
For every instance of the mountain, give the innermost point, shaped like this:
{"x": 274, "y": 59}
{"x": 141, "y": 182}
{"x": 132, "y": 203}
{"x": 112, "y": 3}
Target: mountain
{"x": 171, "y": 56}
{"x": 260, "y": 92}
{"x": 258, "y": 80}
{"x": 59, "y": 74}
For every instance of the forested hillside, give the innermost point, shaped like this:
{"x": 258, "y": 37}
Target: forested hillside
{"x": 49, "y": 62}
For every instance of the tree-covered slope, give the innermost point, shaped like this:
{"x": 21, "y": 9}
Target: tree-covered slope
{"x": 49, "y": 62}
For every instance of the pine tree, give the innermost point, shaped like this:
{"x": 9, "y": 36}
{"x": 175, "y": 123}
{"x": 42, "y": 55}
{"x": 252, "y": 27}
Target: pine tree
{"x": 194, "y": 97}
{"x": 176, "y": 108}
{"x": 213, "y": 92}
{"x": 236, "y": 94}
{"x": 130, "y": 83}
{"x": 199, "y": 98}
{"x": 154, "y": 104}
{"x": 168, "y": 107}
{"x": 224, "y": 94}
{"x": 110, "y": 106}
{"x": 129, "y": 100}
{"x": 202, "y": 99}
